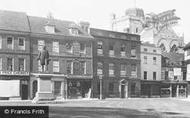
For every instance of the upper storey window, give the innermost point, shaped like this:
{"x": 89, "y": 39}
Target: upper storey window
{"x": 100, "y": 48}
{"x": 111, "y": 50}
{"x": 21, "y": 43}
{"x": 122, "y": 50}
{"x": 41, "y": 43}
{"x": 10, "y": 42}
{"x": 50, "y": 27}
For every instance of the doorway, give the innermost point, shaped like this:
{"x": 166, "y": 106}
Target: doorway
{"x": 24, "y": 90}
{"x": 122, "y": 91}
{"x": 35, "y": 88}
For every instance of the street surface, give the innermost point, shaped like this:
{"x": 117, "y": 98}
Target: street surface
{"x": 117, "y": 108}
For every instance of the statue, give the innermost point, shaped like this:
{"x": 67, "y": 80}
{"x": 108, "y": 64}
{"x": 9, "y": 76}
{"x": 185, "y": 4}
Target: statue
{"x": 43, "y": 56}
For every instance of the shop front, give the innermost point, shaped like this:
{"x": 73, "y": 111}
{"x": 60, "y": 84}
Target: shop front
{"x": 174, "y": 89}
{"x": 14, "y": 85}
{"x": 78, "y": 88}
{"x": 150, "y": 89}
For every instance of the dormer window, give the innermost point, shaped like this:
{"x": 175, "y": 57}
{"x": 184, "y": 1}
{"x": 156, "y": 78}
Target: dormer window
{"x": 74, "y": 31}
{"x": 50, "y": 27}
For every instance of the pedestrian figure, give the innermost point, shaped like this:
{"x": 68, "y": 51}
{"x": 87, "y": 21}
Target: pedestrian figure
{"x": 43, "y": 56}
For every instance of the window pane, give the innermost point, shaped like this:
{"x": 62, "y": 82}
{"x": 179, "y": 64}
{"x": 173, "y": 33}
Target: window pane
{"x": 55, "y": 66}
{"x": 21, "y": 64}
{"x": 41, "y": 43}
{"x": 69, "y": 67}
{"x": 55, "y": 47}
{"x": 10, "y": 64}
{"x": 21, "y": 41}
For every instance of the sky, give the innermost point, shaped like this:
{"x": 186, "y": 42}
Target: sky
{"x": 98, "y": 12}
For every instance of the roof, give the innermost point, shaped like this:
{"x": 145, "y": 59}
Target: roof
{"x": 175, "y": 57}
{"x": 187, "y": 46}
{"x": 17, "y": 21}
{"x": 20, "y": 21}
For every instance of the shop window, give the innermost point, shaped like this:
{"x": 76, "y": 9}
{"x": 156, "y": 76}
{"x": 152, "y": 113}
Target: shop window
{"x": 123, "y": 71}
{"x": 145, "y": 59}
{"x": 145, "y": 75}
{"x": 10, "y": 64}
{"x": 100, "y": 48}
{"x": 10, "y": 42}
{"x": 21, "y": 43}
{"x": 99, "y": 68}
{"x": 154, "y": 75}
{"x": 21, "y": 64}
{"x": 55, "y": 66}
{"x": 69, "y": 67}
{"x": 57, "y": 88}
{"x": 41, "y": 43}
{"x": 111, "y": 69}
{"x": 55, "y": 47}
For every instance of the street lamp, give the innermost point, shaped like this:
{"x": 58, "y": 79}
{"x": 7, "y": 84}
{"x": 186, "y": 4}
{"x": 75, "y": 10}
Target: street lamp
{"x": 100, "y": 77}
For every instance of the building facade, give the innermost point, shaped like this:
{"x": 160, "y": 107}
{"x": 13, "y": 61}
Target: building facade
{"x": 174, "y": 82}
{"x": 187, "y": 63}
{"x": 150, "y": 70}
{"x": 116, "y": 64}
{"x": 70, "y": 69}
{"x": 14, "y": 56}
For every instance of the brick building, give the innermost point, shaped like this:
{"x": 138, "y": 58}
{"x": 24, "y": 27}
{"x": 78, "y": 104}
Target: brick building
{"x": 116, "y": 59}
{"x": 70, "y": 68}
{"x": 14, "y": 55}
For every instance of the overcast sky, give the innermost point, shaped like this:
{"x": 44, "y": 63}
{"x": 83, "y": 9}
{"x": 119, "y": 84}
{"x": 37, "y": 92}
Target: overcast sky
{"x": 97, "y": 12}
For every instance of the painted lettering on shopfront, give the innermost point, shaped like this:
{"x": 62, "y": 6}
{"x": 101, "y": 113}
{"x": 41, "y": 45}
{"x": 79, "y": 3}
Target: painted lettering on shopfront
{"x": 14, "y": 73}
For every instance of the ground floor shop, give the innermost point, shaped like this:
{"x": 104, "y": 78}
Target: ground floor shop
{"x": 116, "y": 87}
{"x": 150, "y": 89}
{"x": 14, "y": 87}
{"x": 174, "y": 89}
{"x": 57, "y": 86}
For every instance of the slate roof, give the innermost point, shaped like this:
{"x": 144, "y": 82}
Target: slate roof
{"x": 17, "y": 21}
{"x": 20, "y": 21}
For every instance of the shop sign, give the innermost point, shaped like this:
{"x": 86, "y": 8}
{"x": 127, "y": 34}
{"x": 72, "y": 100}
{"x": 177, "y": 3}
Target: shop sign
{"x": 13, "y": 73}
{"x": 177, "y": 71}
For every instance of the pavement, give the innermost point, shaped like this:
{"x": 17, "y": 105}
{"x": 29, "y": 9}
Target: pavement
{"x": 114, "y": 108}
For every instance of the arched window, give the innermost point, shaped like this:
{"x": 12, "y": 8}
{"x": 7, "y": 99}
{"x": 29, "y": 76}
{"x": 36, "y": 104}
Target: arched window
{"x": 163, "y": 48}
{"x": 173, "y": 48}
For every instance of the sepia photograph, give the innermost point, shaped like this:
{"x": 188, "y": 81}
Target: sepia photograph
{"x": 94, "y": 59}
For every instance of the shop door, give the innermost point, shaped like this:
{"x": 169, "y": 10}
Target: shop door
{"x": 24, "y": 92}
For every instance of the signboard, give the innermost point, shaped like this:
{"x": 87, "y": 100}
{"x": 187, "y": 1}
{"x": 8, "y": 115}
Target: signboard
{"x": 177, "y": 71}
{"x": 14, "y": 73}
{"x": 171, "y": 74}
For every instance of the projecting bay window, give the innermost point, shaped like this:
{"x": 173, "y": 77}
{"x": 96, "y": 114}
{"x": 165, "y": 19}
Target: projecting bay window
{"x": 21, "y": 64}
{"x": 41, "y": 43}
{"x": 100, "y": 48}
{"x": 111, "y": 50}
{"x": 21, "y": 43}
{"x": 55, "y": 47}
{"x": 133, "y": 71}
{"x": 55, "y": 66}
{"x": 123, "y": 71}
{"x": 10, "y": 64}
{"x": 111, "y": 69}
{"x": 10, "y": 42}
{"x": 99, "y": 68}
{"x": 123, "y": 53}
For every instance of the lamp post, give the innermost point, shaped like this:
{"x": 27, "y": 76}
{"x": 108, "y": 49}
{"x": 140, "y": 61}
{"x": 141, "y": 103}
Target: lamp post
{"x": 100, "y": 77}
